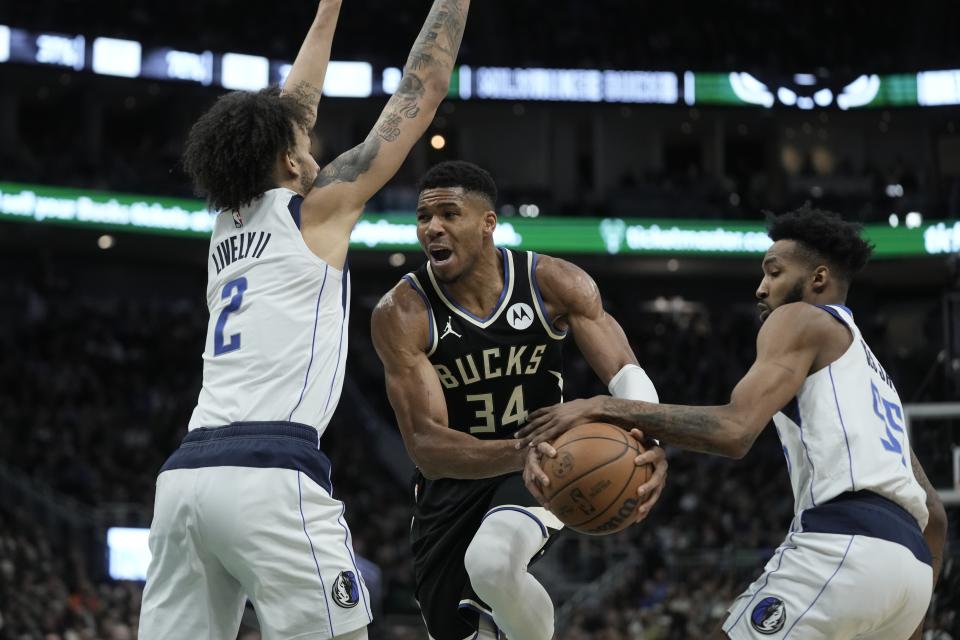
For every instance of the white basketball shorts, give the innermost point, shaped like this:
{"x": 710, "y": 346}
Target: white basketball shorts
{"x": 230, "y": 522}
{"x": 829, "y": 585}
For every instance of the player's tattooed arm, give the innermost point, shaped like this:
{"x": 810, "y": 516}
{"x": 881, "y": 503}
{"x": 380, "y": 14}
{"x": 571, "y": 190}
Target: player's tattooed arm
{"x": 787, "y": 344}
{"x": 407, "y": 114}
{"x": 306, "y": 76}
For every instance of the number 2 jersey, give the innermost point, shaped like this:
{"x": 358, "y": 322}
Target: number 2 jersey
{"x": 844, "y": 432}
{"x": 277, "y": 334}
{"x": 495, "y": 370}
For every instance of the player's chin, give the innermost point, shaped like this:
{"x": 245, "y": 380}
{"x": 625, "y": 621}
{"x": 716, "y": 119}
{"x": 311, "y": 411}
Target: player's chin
{"x": 445, "y": 270}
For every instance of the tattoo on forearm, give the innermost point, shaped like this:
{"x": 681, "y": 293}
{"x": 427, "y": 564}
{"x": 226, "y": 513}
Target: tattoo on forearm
{"x": 306, "y": 95}
{"x": 692, "y": 428}
{"x": 388, "y": 127}
{"x": 442, "y": 32}
{"x": 351, "y": 165}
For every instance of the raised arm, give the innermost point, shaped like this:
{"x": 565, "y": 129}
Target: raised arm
{"x": 400, "y": 334}
{"x": 342, "y": 188}
{"x": 305, "y": 80}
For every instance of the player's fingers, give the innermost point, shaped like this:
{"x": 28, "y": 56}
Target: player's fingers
{"x": 638, "y": 434}
{"x": 545, "y": 448}
{"x": 650, "y": 456}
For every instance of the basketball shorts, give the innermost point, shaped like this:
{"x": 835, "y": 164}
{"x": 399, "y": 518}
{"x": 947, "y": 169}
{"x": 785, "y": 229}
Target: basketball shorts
{"x": 447, "y": 516}
{"x": 246, "y": 511}
{"x": 855, "y": 567}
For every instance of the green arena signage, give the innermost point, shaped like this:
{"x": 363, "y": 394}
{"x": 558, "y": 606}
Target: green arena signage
{"x": 398, "y": 231}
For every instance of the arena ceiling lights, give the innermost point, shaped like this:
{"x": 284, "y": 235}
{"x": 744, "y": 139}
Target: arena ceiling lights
{"x": 398, "y": 231}
{"x": 129, "y": 59}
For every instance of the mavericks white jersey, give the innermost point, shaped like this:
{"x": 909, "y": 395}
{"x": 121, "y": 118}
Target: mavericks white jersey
{"x": 277, "y": 335}
{"x": 844, "y": 432}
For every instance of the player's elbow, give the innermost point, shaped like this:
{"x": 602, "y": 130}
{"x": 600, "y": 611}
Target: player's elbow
{"x": 424, "y": 457}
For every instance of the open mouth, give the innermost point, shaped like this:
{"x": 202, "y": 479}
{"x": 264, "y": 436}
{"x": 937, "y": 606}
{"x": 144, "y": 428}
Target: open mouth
{"x": 440, "y": 255}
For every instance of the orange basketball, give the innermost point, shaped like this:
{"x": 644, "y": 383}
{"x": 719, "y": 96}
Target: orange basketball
{"x": 593, "y": 479}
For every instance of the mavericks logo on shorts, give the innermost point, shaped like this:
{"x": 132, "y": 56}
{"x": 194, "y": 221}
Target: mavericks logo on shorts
{"x": 346, "y": 590}
{"x": 769, "y": 615}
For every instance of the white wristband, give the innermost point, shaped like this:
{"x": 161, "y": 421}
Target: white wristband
{"x": 633, "y": 383}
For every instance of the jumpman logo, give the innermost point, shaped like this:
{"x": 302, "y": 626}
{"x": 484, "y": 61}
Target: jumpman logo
{"x": 449, "y": 329}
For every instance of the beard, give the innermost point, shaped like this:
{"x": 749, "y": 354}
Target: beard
{"x": 794, "y": 295}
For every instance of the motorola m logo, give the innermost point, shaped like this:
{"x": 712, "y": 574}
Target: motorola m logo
{"x": 520, "y": 316}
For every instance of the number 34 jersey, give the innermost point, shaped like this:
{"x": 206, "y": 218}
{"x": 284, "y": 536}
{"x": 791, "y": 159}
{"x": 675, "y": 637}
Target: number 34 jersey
{"x": 277, "y": 334}
{"x": 496, "y": 370}
{"x": 844, "y": 432}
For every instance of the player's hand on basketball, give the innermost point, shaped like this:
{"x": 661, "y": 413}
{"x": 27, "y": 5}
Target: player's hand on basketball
{"x": 533, "y": 475}
{"x": 549, "y": 422}
{"x": 649, "y": 492}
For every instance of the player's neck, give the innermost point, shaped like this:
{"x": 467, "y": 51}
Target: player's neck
{"x": 479, "y": 289}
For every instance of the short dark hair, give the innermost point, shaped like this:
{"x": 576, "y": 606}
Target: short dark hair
{"x": 459, "y": 173}
{"x": 824, "y": 235}
{"x": 232, "y": 149}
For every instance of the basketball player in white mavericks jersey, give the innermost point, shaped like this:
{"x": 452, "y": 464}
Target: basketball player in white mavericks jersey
{"x": 244, "y": 508}
{"x": 865, "y": 546}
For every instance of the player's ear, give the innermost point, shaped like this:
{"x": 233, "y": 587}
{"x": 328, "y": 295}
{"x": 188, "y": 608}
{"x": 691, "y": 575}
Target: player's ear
{"x": 489, "y": 221}
{"x": 821, "y": 278}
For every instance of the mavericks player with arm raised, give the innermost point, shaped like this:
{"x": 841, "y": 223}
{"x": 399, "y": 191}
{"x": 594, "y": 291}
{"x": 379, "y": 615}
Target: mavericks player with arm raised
{"x": 866, "y": 544}
{"x": 244, "y": 508}
{"x": 471, "y": 343}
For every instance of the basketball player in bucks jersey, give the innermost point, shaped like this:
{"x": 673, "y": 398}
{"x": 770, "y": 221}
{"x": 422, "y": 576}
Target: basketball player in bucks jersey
{"x": 866, "y": 544}
{"x": 471, "y": 344}
{"x": 245, "y": 507}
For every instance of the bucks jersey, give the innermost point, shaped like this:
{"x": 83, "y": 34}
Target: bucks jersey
{"x": 276, "y": 338}
{"x": 494, "y": 370}
{"x": 844, "y": 432}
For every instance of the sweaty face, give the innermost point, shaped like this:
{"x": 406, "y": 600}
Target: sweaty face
{"x": 785, "y": 277}
{"x": 451, "y": 225}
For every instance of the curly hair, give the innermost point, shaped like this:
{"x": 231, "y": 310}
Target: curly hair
{"x": 823, "y": 236}
{"x": 232, "y": 149}
{"x": 459, "y": 173}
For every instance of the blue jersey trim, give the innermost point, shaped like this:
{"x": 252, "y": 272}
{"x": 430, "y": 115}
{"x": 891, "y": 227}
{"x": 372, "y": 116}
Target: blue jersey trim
{"x": 792, "y": 411}
{"x": 343, "y": 322}
{"x": 846, "y": 440}
{"x": 353, "y": 559}
{"x": 822, "y": 589}
{"x": 426, "y": 303}
{"x": 313, "y": 552}
{"x": 836, "y": 314}
{"x": 259, "y": 445}
{"x": 313, "y": 343}
{"x": 788, "y": 546}
{"x": 294, "y": 207}
{"x": 869, "y": 514}
{"x": 503, "y": 291}
{"x": 539, "y": 296}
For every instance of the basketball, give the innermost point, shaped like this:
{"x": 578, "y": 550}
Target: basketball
{"x": 593, "y": 479}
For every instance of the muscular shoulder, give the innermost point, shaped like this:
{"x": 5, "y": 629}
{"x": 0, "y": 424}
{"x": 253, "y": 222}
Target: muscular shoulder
{"x": 565, "y": 286}
{"x": 799, "y": 325}
{"x": 400, "y": 317}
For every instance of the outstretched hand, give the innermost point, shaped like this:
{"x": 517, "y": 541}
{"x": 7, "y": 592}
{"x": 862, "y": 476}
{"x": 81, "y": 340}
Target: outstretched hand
{"x": 548, "y": 423}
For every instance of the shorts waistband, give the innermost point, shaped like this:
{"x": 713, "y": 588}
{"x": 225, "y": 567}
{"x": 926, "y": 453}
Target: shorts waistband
{"x": 259, "y": 445}
{"x": 253, "y": 429}
{"x": 869, "y": 514}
